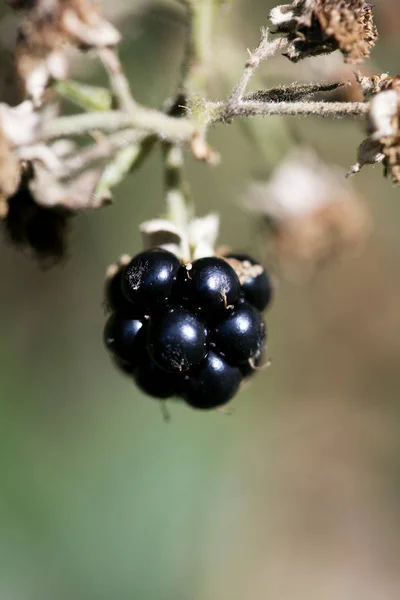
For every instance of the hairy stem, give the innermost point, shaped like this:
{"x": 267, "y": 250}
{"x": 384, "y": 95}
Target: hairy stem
{"x": 102, "y": 150}
{"x": 264, "y": 50}
{"x": 226, "y": 111}
{"x": 84, "y": 123}
{"x": 147, "y": 120}
{"x": 176, "y": 193}
{"x": 118, "y": 80}
{"x": 177, "y": 130}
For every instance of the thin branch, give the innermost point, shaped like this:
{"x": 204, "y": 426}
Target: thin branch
{"x": 226, "y": 111}
{"x": 148, "y": 120}
{"x": 264, "y": 50}
{"x": 165, "y": 127}
{"x": 103, "y": 149}
{"x": 177, "y": 130}
{"x": 84, "y": 123}
{"x": 118, "y": 80}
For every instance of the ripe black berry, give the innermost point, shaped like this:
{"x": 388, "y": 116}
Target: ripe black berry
{"x": 124, "y": 337}
{"x": 192, "y": 331}
{"x": 124, "y": 366}
{"x": 115, "y": 299}
{"x": 148, "y": 279}
{"x": 257, "y": 287}
{"x": 241, "y": 335}
{"x": 152, "y": 380}
{"x": 214, "y": 283}
{"x": 177, "y": 340}
{"x": 213, "y": 383}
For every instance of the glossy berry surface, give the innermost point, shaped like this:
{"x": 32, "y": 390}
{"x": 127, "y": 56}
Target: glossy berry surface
{"x": 257, "y": 289}
{"x": 148, "y": 279}
{"x": 182, "y": 291}
{"x": 212, "y": 384}
{"x": 115, "y": 299}
{"x": 152, "y": 380}
{"x": 124, "y": 337}
{"x": 177, "y": 340}
{"x": 241, "y": 335}
{"x": 214, "y": 285}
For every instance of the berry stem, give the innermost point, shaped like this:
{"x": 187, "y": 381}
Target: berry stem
{"x": 177, "y": 193}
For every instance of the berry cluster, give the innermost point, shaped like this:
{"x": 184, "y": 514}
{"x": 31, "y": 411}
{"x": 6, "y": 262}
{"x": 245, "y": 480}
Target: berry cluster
{"x": 188, "y": 330}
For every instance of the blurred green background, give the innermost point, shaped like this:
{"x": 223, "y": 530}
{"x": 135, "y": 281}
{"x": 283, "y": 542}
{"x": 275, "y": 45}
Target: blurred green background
{"x": 296, "y": 495}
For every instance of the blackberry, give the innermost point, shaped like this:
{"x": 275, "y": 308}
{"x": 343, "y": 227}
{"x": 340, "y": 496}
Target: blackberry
{"x": 195, "y": 332}
{"x": 148, "y": 279}
{"x": 177, "y": 340}
{"x": 241, "y": 336}
{"x": 124, "y": 337}
{"x": 125, "y": 366}
{"x": 212, "y": 384}
{"x": 114, "y": 297}
{"x": 152, "y": 380}
{"x": 214, "y": 285}
{"x": 255, "y": 283}
{"x": 182, "y": 293}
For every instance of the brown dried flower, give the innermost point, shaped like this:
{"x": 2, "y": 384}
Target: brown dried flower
{"x": 315, "y": 27}
{"x": 45, "y": 31}
{"x": 311, "y": 211}
{"x": 377, "y": 83}
{"x": 383, "y": 143}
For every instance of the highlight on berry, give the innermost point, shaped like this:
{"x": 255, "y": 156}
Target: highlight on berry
{"x": 190, "y": 330}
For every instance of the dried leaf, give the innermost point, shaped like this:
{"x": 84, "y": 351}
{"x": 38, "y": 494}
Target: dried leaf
{"x": 292, "y": 92}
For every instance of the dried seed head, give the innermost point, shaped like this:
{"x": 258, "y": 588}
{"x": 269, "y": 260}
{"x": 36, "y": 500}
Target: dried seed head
{"x": 373, "y": 85}
{"x": 383, "y": 143}
{"x": 311, "y": 213}
{"x": 315, "y": 27}
{"x": 45, "y": 31}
